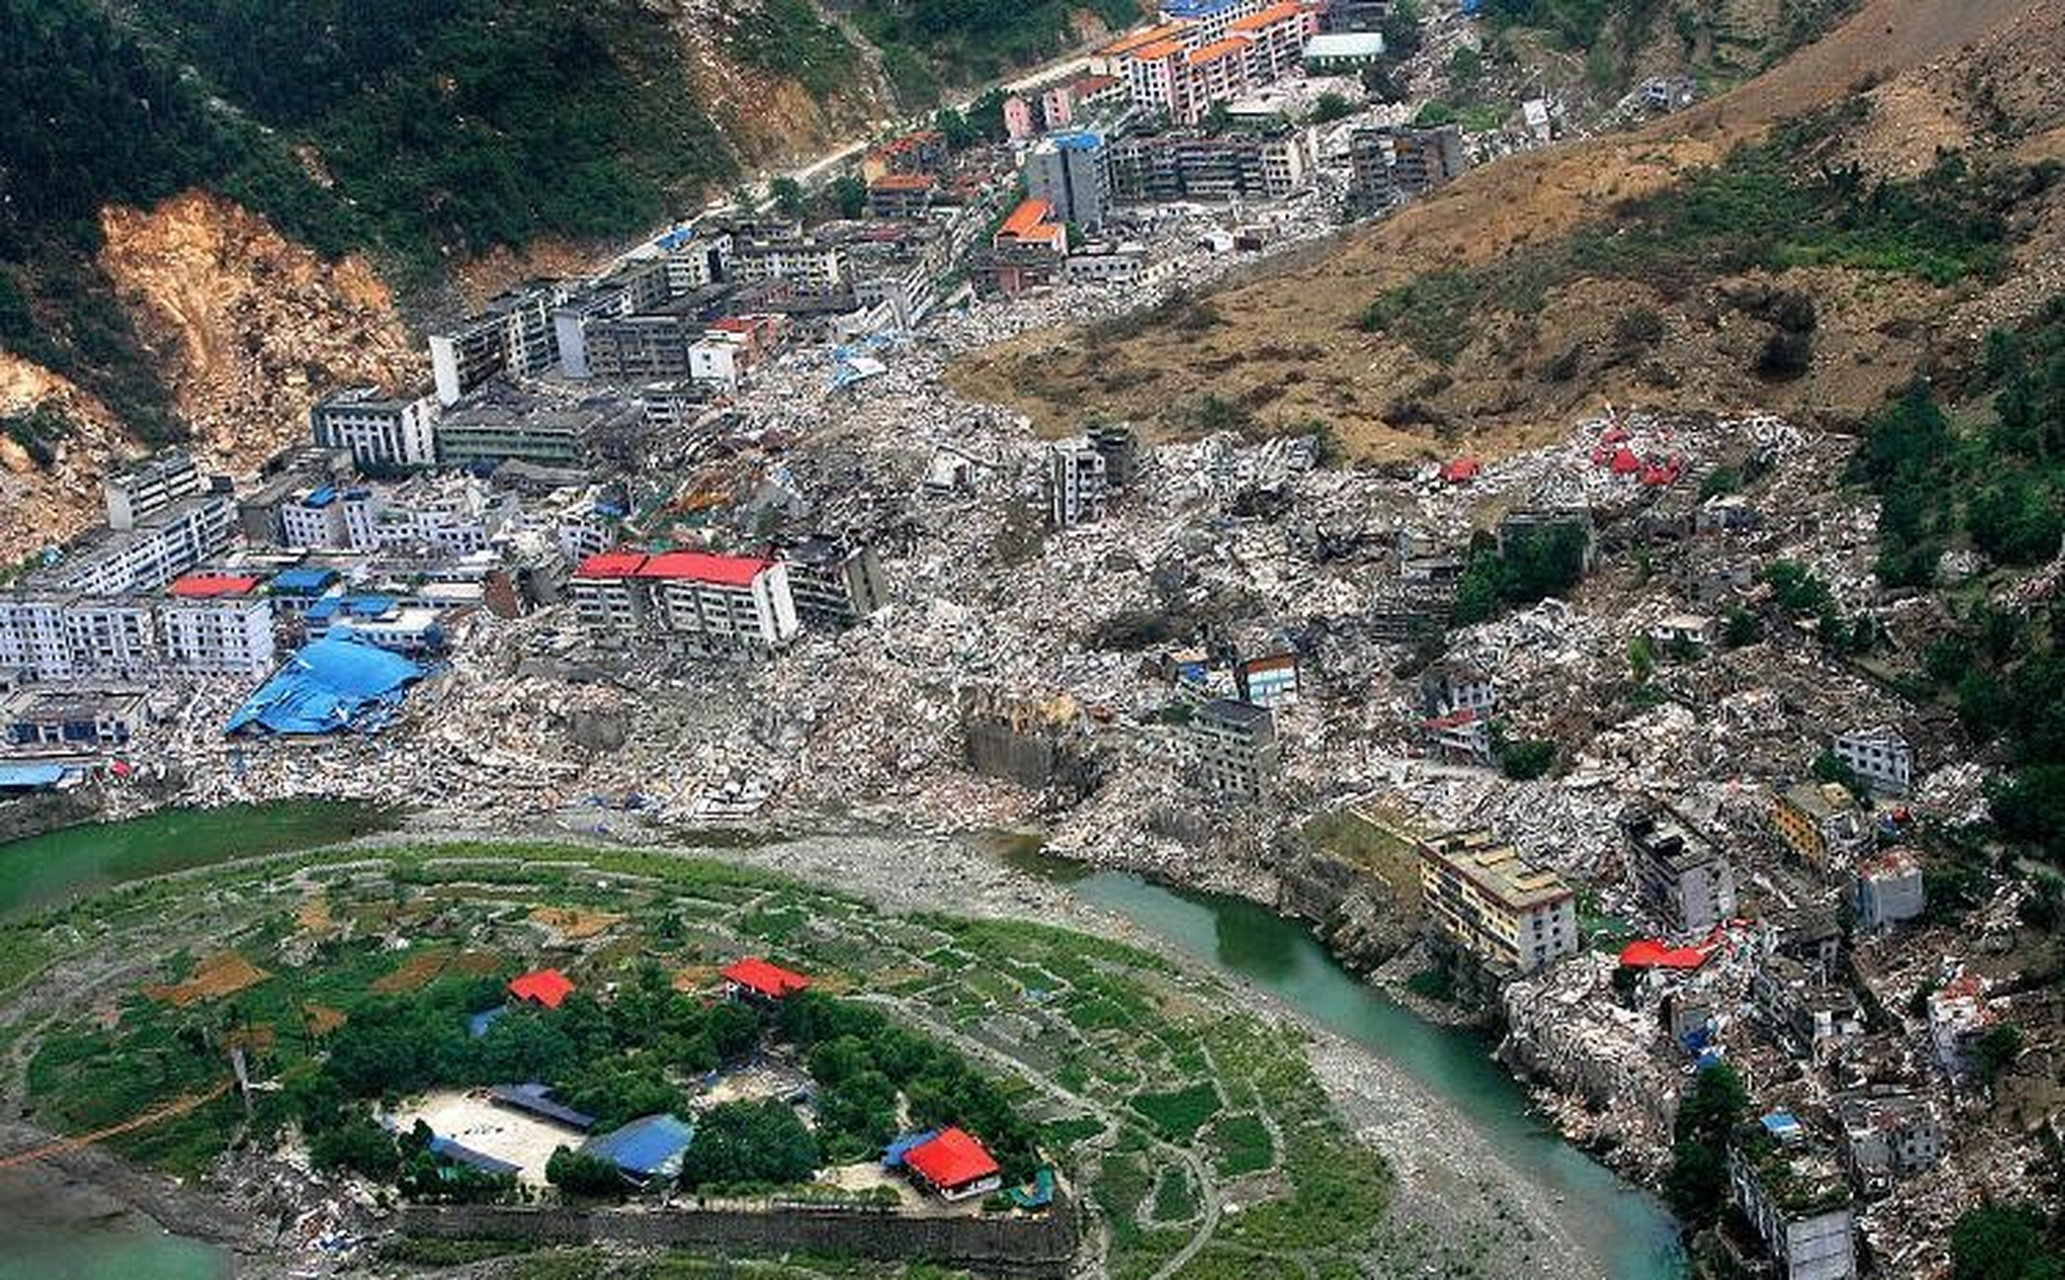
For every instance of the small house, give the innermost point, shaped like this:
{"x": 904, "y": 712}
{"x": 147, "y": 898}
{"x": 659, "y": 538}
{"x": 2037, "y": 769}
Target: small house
{"x": 646, "y": 1151}
{"x": 756, "y": 979}
{"x": 546, "y": 988}
{"x": 954, "y": 1166}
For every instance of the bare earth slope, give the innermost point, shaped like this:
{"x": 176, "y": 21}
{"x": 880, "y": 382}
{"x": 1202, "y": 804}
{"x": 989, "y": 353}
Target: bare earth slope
{"x": 1285, "y": 344}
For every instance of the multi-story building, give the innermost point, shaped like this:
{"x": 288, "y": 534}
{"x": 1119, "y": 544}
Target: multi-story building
{"x": 654, "y": 346}
{"x": 533, "y": 429}
{"x": 1891, "y": 1135}
{"x": 1676, "y": 872}
{"x": 833, "y": 582}
{"x": 70, "y": 719}
{"x": 382, "y": 432}
{"x": 218, "y": 636}
{"x": 1798, "y": 1203}
{"x": 152, "y": 552}
{"x": 1887, "y": 889}
{"x": 1276, "y": 36}
{"x": 1822, "y": 823}
{"x": 1072, "y": 172}
{"x": 1187, "y": 165}
{"x": 811, "y": 265}
{"x": 1342, "y": 53}
{"x": 1511, "y": 915}
{"x": 1879, "y": 756}
{"x": 901, "y": 195}
{"x": 1235, "y": 748}
{"x": 1390, "y": 163}
{"x": 1077, "y": 483}
{"x": 687, "y": 599}
{"x": 514, "y": 335}
{"x": 1806, "y": 1011}
{"x": 334, "y": 518}
{"x": 145, "y": 488}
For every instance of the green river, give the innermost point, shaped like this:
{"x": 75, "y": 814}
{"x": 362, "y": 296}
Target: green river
{"x": 1627, "y": 1230}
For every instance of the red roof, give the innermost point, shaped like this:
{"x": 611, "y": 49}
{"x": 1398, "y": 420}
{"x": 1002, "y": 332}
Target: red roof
{"x": 953, "y": 1159}
{"x": 1031, "y": 213}
{"x": 764, "y": 978}
{"x": 548, "y": 987}
{"x": 1454, "y": 719}
{"x": 1461, "y": 470}
{"x": 904, "y": 182}
{"x": 1625, "y": 462}
{"x": 697, "y": 566}
{"x": 1645, "y": 954}
{"x": 207, "y": 586}
{"x": 611, "y": 564}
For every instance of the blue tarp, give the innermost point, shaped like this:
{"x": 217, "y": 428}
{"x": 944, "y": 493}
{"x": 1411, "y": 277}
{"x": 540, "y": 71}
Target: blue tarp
{"x": 338, "y": 682}
{"x": 477, "y": 1025}
{"x": 650, "y": 1146}
{"x": 30, "y": 777}
{"x": 303, "y": 582}
{"x": 893, "y": 1154}
{"x": 356, "y": 606}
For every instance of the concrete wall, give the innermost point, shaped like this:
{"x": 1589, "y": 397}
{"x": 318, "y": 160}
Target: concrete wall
{"x": 1016, "y": 1246}
{"x": 1033, "y": 758}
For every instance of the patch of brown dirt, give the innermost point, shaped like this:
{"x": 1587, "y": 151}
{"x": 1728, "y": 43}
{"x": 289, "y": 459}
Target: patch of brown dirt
{"x": 413, "y": 974}
{"x": 502, "y": 268}
{"x": 41, "y": 505}
{"x": 249, "y": 327}
{"x": 1287, "y": 346}
{"x": 323, "y": 1019}
{"x": 573, "y": 923}
{"x": 695, "y": 979}
{"x": 224, "y": 973}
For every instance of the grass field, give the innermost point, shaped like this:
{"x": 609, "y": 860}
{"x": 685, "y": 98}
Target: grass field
{"x": 1147, "y": 1092}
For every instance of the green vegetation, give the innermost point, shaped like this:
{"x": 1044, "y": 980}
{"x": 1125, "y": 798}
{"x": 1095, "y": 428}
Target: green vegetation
{"x": 1241, "y": 1145}
{"x": 786, "y": 38}
{"x": 1764, "y": 208}
{"x": 1697, "y": 1185}
{"x": 965, "y": 41}
{"x": 1178, "y": 1114}
{"x": 1536, "y": 563}
{"x": 749, "y": 1144}
{"x": 2006, "y": 1242}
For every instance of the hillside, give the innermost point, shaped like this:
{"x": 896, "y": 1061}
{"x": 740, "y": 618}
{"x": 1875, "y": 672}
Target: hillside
{"x": 1810, "y": 274}
{"x": 208, "y": 208}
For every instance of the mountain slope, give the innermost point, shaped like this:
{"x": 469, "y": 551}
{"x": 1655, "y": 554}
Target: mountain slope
{"x": 1514, "y": 326}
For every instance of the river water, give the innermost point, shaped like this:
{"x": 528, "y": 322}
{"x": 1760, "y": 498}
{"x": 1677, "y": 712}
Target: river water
{"x": 1626, "y": 1229}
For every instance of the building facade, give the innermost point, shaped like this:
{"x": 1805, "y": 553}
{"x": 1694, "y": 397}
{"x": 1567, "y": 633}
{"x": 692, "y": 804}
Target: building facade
{"x": 382, "y": 433}
{"x": 1235, "y": 747}
{"x": 1511, "y": 915}
{"x": 1676, "y": 872}
{"x": 685, "y": 599}
{"x": 1879, "y": 756}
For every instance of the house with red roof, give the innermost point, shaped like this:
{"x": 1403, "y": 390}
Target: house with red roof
{"x": 756, "y": 979}
{"x": 954, "y": 1166}
{"x": 547, "y": 988}
{"x": 691, "y": 600}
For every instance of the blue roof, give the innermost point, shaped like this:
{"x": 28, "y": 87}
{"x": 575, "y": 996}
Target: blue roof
{"x": 1077, "y": 140}
{"x": 322, "y": 497}
{"x": 647, "y": 1146}
{"x": 1779, "y": 1123}
{"x": 303, "y": 581}
{"x": 539, "y": 1100}
{"x": 477, "y": 1025}
{"x": 458, "y": 1153}
{"x": 28, "y": 777}
{"x": 338, "y": 682}
{"x": 1195, "y": 8}
{"x": 356, "y": 606}
{"x": 893, "y": 1154}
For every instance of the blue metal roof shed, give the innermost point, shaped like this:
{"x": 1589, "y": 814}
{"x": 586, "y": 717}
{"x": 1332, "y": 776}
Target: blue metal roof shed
{"x": 649, "y": 1147}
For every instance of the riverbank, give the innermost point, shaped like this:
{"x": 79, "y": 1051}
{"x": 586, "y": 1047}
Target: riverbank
{"x": 1454, "y": 1183}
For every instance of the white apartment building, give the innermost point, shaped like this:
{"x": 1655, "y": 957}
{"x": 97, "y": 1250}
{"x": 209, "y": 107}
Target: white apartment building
{"x": 142, "y": 559}
{"x": 709, "y": 603}
{"x": 150, "y": 486}
{"x": 381, "y": 431}
{"x": 232, "y": 636}
{"x": 1879, "y": 756}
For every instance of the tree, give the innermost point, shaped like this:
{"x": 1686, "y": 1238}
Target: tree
{"x": 749, "y": 1144}
{"x": 579, "y": 1174}
{"x": 2004, "y": 1242}
{"x": 789, "y": 200}
{"x": 847, "y": 195}
{"x": 1997, "y": 1050}
{"x": 358, "y": 1144}
{"x": 1465, "y": 68}
{"x": 956, "y": 129}
{"x": 1697, "y": 1184}
{"x": 1641, "y": 659}
{"x": 1830, "y": 767}
{"x": 1331, "y": 107}
{"x": 1526, "y": 759}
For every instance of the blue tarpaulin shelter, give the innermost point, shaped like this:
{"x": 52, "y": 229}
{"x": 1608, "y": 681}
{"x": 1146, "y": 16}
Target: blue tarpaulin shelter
{"x": 893, "y": 1154}
{"x": 31, "y": 777}
{"x": 647, "y": 1148}
{"x": 338, "y": 682}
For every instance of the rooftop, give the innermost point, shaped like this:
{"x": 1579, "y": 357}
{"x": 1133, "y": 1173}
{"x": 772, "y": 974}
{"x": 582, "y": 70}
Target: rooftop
{"x": 1268, "y": 17}
{"x": 1158, "y": 50}
{"x": 765, "y": 978}
{"x": 548, "y": 987}
{"x": 1345, "y": 44}
{"x": 1219, "y": 49}
{"x": 951, "y": 1159}
{"x": 1496, "y": 869}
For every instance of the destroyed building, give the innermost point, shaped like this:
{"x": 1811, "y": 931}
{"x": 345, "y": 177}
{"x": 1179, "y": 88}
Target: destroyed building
{"x": 1678, "y": 874}
{"x": 1887, "y": 889}
{"x": 1234, "y": 746}
{"x": 1889, "y": 1135}
{"x": 1807, "y": 1013}
{"x": 1077, "y": 478}
{"x": 687, "y": 601}
{"x": 1822, "y": 823}
{"x": 1794, "y": 1197}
